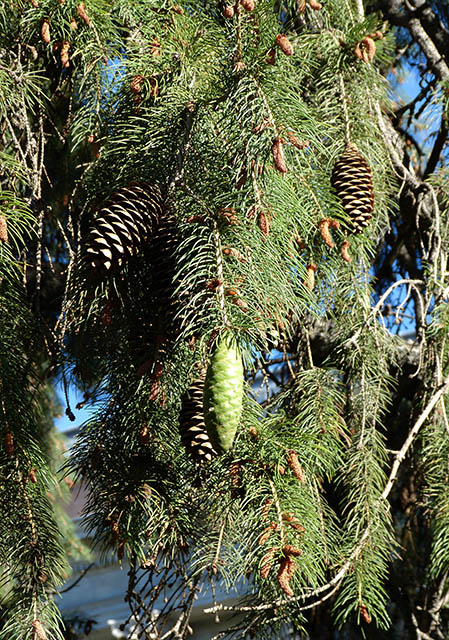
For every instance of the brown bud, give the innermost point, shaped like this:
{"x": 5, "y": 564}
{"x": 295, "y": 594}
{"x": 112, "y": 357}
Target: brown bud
{"x": 213, "y": 284}
{"x": 294, "y": 465}
{"x": 267, "y": 562}
{"x": 135, "y": 85}
{"x": 65, "y": 54}
{"x": 143, "y": 434}
{"x": 264, "y": 222}
{"x": 115, "y": 532}
{"x": 155, "y": 49}
{"x": 369, "y": 46}
{"x": 228, "y": 11}
{"x": 177, "y": 9}
{"x": 3, "y": 229}
{"x": 39, "y": 631}
{"x": 377, "y": 35}
{"x": 45, "y": 31}
{"x": 293, "y": 522}
{"x": 235, "y": 253}
{"x": 196, "y": 219}
{"x": 296, "y": 142}
{"x": 278, "y": 155}
{"x": 271, "y": 56}
{"x": 309, "y": 282}
{"x": 234, "y": 473}
{"x": 9, "y": 443}
{"x": 325, "y": 233}
{"x": 316, "y": 6}
{"x": 73, "y": 24}
{"x": 281, "y": 470}
{"x": 120, "y": 551}
{"x": 240, "y": 304}
{"x": 69, "y": 482}
{"x": 154, "y": 390}
{"x": 302, "y": 6}
{"x": 285, "y": 573}
{"x": 239, "y": 66}
{"x": 290, "y": 550}
{"x": 253, "y": 433}
{"x": 364, "y": 613}
{"x": 229, "y": 214}
{"x": 32, "y": 475}
{"x": 248, "y": 5}
{"x": 261, "y": 126}
{"x": 35, "y": 3}
{"x": 265, "y": 536}
{"x": 345, "y": 251}
{"x": 83, "y": 15}
{"x": 284, "y": 44}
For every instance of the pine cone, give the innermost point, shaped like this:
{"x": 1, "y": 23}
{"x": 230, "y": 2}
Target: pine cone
{"x": 351, "y": 178}
{"x": 191, "y": 424}
{"x": 223, "y": 393}
{"x": 124, "y": 224}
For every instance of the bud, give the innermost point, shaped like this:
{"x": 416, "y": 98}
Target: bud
{"x": 345, "y": 251}
{"x": 9, "y": 443}
{"x": 294, "y": 465}
{"x": 3, "y": 229}
{"x": 278, "y": 154}
{"x": 290, "y": 550}
{"x": 45, "y": 31}
{"x": 267, "y": 562}
{"x": 264, "y": 222}
{"x": 228, "y": 11}
{"x": 135, "y": 85}
{"x": 284, "y": 44}
{"x": 325, "y": 233}
{"x": 286, "y": 569}
{"x": 365, "y": 613}
{"x": 248, "y": 5}
{"x": 155, "y": 49}
{"x": 39, "y": 631}
{"x": 316, "y": 6}
{"x": 83, "y": 15}
{"x": 369, "y": 46}
{"x": 143, "y": 434}
{"x": 65, "y": 55}
{"x": 309, "y": 282}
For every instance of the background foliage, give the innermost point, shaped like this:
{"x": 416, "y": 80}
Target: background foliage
{"x": 330, "y": 510}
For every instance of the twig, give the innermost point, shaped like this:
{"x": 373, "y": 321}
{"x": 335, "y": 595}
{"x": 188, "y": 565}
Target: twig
{"x": 411, "y": 436}
{"x": 80, "y": 577}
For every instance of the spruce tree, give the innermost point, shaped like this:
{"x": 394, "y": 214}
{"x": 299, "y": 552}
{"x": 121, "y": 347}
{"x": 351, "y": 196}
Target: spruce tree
{"x": 218, "y": 221}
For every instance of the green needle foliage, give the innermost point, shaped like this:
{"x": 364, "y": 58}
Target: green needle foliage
{"x": 327, "y": 513}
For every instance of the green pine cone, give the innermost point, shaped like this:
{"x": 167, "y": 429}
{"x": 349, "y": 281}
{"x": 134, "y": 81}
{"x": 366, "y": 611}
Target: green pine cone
{"x": 223, "y": 392}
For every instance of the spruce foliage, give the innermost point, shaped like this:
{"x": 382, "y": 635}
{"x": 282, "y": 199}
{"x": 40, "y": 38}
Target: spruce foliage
{"x": 167, "y": 188}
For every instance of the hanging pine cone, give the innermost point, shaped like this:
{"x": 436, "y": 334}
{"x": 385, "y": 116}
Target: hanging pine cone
{"x": 191, "y": 424}
{"x": 223, "y": 393}
{"x": 351, "y": 178}
{"x": 124, "y": 224}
